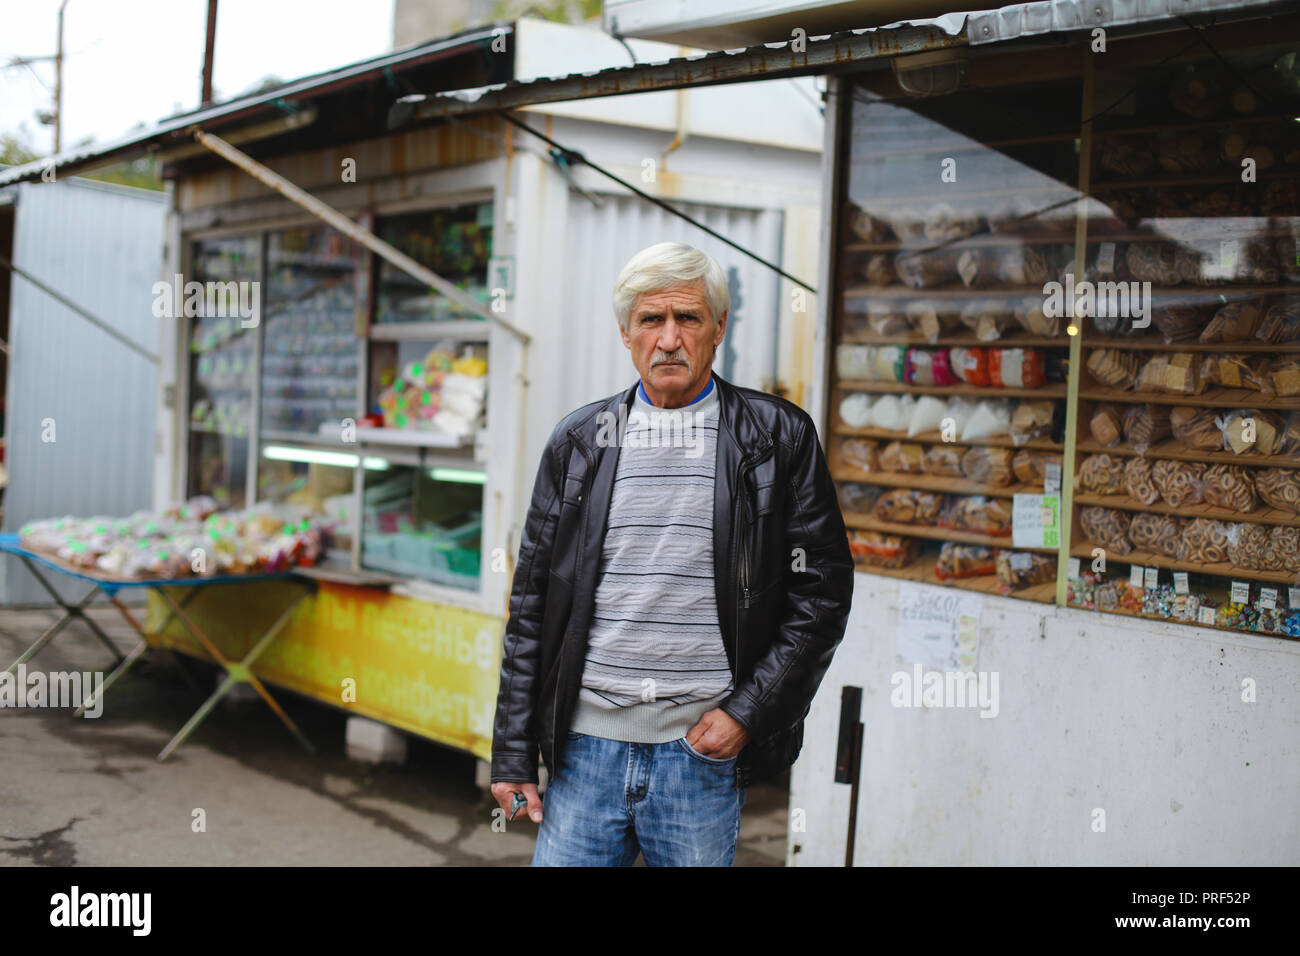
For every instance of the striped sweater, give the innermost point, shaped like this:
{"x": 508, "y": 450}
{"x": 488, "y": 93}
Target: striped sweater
{"x": 655, "y": 660}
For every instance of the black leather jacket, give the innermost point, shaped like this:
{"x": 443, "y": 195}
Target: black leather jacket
{"x": 783, "y": 574}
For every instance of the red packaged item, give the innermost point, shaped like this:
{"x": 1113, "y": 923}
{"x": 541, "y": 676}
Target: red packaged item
{"x": 963, "y": 561}
{"x": 928, "y": 367}
{"x": 970, "y": 365}
{"x": 1016, "y": 368}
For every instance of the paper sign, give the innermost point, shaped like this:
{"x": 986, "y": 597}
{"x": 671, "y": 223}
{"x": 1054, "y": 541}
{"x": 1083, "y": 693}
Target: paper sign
{"x": 1019, "y": 561}
{"x": 1268, "y": 598}
{"x": 938, "y": 628}
{"x": 1228, "y": 255}
{"x": 1052, "y": 478}
{"x": 1293, "y": 597}
{"x": 1135, "y": 576}
{"x": 1180, "y": 582}
{"x": 1035, "y": 521}
{"x": 1151, "y": 578}
{"x": 1072, "y": 569}
{"x": 1240, "y": 592}
{"x": 1205, "y": 615}
{"x": 1106, "y": 258}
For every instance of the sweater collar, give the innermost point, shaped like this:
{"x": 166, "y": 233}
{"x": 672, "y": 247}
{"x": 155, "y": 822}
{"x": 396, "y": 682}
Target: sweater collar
{"x": 708, "y": 390}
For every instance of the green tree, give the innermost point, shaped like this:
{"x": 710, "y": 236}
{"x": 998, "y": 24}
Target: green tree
{"x": 561, "y": 11}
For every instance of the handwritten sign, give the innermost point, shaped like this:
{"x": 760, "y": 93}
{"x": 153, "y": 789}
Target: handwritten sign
{"x": 938, "y": 628}
{"x": 1035, "y": 521}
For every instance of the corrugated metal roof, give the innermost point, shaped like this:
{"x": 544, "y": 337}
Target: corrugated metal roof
{"x": 218, "y": 115}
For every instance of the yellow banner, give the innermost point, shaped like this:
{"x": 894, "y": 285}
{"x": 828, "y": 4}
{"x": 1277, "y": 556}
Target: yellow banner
{"x": 429, "y": 669}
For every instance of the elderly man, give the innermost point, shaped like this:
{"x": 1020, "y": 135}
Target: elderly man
{"x": 676, "y": 602}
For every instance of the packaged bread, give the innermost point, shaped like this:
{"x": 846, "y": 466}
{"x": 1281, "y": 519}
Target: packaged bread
{"x": 902, "y": 457}
{"x": 907, "y": 223}
{"x": 977, "y": 268}
{"x": 1286, "y": 543}
{"x": 908, "y": 506}
{"x": 1171, "y": 372}
{"x": 1289, "y": 444}
{"x": 1022, "y": 569}
{"x": 963, "y": 561}
{"x": 1179, "y": 482}
{"x": 977, "y": 513}
{"x": 928, "y": 367}
{"x": 886, "y": 317}
{"x": 1113, "y": 367}
{"x": 987, "y": 466}
{"x": 1030, "y": 467}
{"x": 1235, "y": 322}
{"x": 1154, "y": 262}
{"x": 1251, "y": 431}
{"x": 970, "y": 365}
{"x": 1281, "y": 322}
{"x": 1250, "y": 546}
{"x": 943, "y": 460}
{"x": 876, "y": 549}
{"x": 925, "y": 270}
{"x": 1158, "y": 534}
{"x": 1195, "y": 428}
{"x": 1144, "y": 425}
{"x": 1033, "y": 418}
{"x": 1104, "y": 425}
{"x": 1138, "y": 482}
{"x": 943, "y": 222}
{"x": 866, "y": 227}
{"x": 1031, "y": 317}
{"x": 989, "y": 319}
{"x": 855, "y": 409}
{"x": 1284, "y": 376}
{"x": 1016, "y": 368}
{"x": 1203, "y": 541}
{"x": 857, "y": 497}
{"x": 1101, "y": 474}
{"x": 1237, "y": 370}
{"x": 1181, "y": 320}
{"x": 878, "y": 269}
{"x": 1024, "y": 265}
{"x": 1231, "y": 487}
{"x": 860, "y": 453}
{"x": 1279, "y": 488}
{"x": 1107, "y": 528}
{"x": 931, "y": 318}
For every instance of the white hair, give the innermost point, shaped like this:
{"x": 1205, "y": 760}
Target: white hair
{"x": 668, "y": 264}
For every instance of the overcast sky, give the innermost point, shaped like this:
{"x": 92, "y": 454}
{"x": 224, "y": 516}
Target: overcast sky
{"x": 131, "y": 61}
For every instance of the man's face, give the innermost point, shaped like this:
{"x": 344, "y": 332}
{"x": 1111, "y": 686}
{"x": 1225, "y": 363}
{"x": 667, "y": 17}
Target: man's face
{"x": 672, "y": 337}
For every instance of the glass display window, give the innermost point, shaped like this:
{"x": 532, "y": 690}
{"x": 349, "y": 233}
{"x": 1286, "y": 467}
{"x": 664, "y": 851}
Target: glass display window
{"x": 455, "y": 242}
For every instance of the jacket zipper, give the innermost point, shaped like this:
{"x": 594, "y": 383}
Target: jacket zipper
{"x": 559, "y": 669}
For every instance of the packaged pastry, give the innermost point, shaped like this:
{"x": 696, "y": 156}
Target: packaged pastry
{"x": 1285, "y": 541}
{"x": 1107, "y": 528}
{"x": 1022, "y": 569}
{"x": 943, "y": 222}
{"x": 1251, "y": 431}
{"x": 1138, "y": 482}
{"x": 1158, "y": 534}
{"x": 925, "y": 270}
{"x": 860, "y": 453}
{"x": 1179, "y": 482}
{"x": 1031, "y": 466}
{"x": 866, "y": 227}
{"x": 928, "y": 415}
{"x": 857, "y": 497}
{"x": 970, "y": 365}
{"x": 928, "y": 367}
{"x": 1105, "y": 424}
{"x": 989, "y": 319}
{"x": 1195, "y": 428}
{"x": 977, "y": 268}
{"x": 908, "y": 506}
{"x": 855, "y": 409}
{"x": 987, "y": 466}
{"x": 1203, "y": 541}
{"x": 1181, "y": 320}
{"x": 1171, "y": 372}
{"x": 943, "y": 460}
{"x": 1032, "y": 419}
{"x": 991, "y": 417}
{"x": 1250, "y": 546}
{"x": 876, "y": 549}
{"x": 1237, "y": 370}
{"x": 1235, "y": 322}
{"x": 1281, "y": 323}
{"x": 977, "y": 513}
{"x": 901, "y": 457}
{"x": 1101, "y": 474}
{"x": 963, "y": 561}
{"x": 1231, "y": 487}
{"x": 878, "y": 269}
{"x": 1016, "y": 368}
{"x": 1144, "y": 425}
{"x": 1154, "y": 262}
{"x": 1024, "y": 265}
{"x": 1284, "y": 375}
{"x": 1113, "y": 367}
{"x": 884, "y": 317}
{"x": 931, "y": 318}
{"x": 1279, "y": 488}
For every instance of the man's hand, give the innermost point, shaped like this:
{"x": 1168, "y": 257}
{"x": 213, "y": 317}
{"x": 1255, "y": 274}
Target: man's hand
{"x": 718, "y": 734}
{"x": 504, "y": 792}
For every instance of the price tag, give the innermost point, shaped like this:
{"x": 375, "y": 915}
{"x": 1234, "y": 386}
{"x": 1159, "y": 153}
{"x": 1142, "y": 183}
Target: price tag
{"x": 1205, "y": 615}
{"x": 1052, "y": 478}
{"x": 1180, "y": 582}
{"x": 1268, "y": 598}
{"x": 1135, "y": 576}
{"x": 1151, "y": 578}
{"x": 1035, "y": 521}
{"x": 1106, "y": 258}
{"x": 1293, "y": 597}
{"x": 1228, "y": 256}
{"x": 1240, "y": 592}
{"x": 1072, "y": 569}
{"x": 1019, "y": 561}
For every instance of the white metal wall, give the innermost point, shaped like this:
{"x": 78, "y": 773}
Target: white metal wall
{"x": 100, "y": 246}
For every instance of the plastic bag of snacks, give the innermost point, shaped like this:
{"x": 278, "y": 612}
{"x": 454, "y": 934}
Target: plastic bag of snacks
{"x": 1251, "y": 431}
{"x": 1231, "y": 487}
{"x": 880, "y": 550}
{"x": 1279, "y": 487}
{"x": 928, "y": 367}
{"x": 1101, "y": 474}
{"x": 855, "y": 409}
{"x": 860, "y": 453}
{"x": 944, "y": 460}
{"x": 1158, "y": 534}
{"x": 1032, "y": 419}
{"x": 990, "y": 418}
{"x": 987, "y": 466}
{"x": 902, "y": 457}
{"x": 970, "y": 365}
{"x": 1237, "y": 370}
{"x": 1030, "y": 467}
{"x": 857, "y": 497}
{"x": 1179, "y": 482}
{"x": 989, "y": 319}
{"x": 908, "y": 506}
{"x": 1138, "y": 482}
{"x": 927, "y": 415}
{"x": 1105, "y": 424}
{"x": 1250, "y": 546}
{"x": 892, "y": 412}
{"x": 1113, "y": 367}
{"x": 977, "y": 513}
{"x": 1144, "y": 425}
{"x": 963, "y": 561}
{"x": 932, "y": 318}
{"x": 1022, "y": 569}
{"x": 1203, "y": 541}
{"x": 1107, "y": 527}
{"x": 1196, "y": 429}
{"x": 1016, "y": 368}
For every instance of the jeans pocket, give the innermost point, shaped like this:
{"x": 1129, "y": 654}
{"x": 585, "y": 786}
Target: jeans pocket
{"x": 573, "y": 735}
{"x": 703, "y": 758}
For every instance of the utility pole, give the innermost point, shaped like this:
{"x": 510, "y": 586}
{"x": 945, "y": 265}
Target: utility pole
{"x": 209, "y": 48}
{"x": 58, "y": 85}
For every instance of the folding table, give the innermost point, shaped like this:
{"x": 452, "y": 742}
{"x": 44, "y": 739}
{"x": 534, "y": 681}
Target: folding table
{"x": 236, "y": 671}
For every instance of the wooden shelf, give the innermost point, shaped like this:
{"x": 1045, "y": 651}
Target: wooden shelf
{"x": 1150, "y": 342}
{"x": 945, "y": 292}
{"x": 1183, "y": 182}
{"x": 1015, "y": 340}
{"x": 1262, "y": 515}
{"x": 1052, "y": 390}
{"x": 1169, "y": 620}
{"x": 956, "y": 144}
{"x": 935, "y": 438}
{"x": 922, "y": 571}
{"x": 941, "y": 484}
{"x": 1208, "y": 123}
{"x": 1171, "y": 449}
{"x": 1220, "y": 569}
{"x": 975, "y": 240}
{"x": 933, "y": 532}
{"x": 1211, "y": 397}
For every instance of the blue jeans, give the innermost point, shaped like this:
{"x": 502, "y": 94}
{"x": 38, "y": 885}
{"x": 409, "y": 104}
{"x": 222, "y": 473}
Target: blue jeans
{"x": 610, "y": 798}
